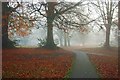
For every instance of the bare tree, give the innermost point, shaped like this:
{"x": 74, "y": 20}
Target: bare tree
{"x": 106, "y": 9}
{"x": 55, "y": 13}
{"x": 64, "y": 14}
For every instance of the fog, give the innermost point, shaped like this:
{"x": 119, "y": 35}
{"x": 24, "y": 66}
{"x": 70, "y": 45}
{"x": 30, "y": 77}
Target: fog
{"x": 94, "y": 38}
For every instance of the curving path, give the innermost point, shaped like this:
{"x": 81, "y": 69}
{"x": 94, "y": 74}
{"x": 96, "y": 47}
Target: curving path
{"x": 82, "y": 67}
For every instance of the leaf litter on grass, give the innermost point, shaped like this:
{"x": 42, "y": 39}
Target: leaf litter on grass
{"x": 36, "y": 63}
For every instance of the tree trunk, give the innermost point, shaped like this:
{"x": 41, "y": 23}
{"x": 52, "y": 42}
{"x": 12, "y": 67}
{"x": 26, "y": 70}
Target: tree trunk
{"x": 107, "y": 40}
{"x": 65, "y": 39}
{"x": 6, "y": 42}
{"x": 108, "y": 28}
{"x": 68, "y": 41}
{"x": 61, "y": 42}
{"x": 119, "y": 24}
{"x": 50, "y": 17}
{"x": 4, "y": 36}
{"x": 119, "y": 15}
{"x": 5, "y": 25}
{"x": 50, "y": 41}
{"x": 61, "y": 38}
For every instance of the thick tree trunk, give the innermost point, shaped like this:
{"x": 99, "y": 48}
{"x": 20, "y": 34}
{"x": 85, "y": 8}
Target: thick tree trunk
{"x": 6, "y": 42}
{"x": 4, "y": 25}
{"x": 50, "y": 41}
{"x": 4, "y": 37}
{"x": 50, "y": 17}
{"x": 107, "y": 40}
{"x": 108, "y": 28}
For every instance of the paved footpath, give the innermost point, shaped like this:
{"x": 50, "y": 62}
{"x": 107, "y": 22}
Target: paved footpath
{"x": 82, "y": 67}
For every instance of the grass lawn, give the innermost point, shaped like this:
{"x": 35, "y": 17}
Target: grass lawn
{"x": 105, "y": 61}
{"x": 35, "y": 63}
